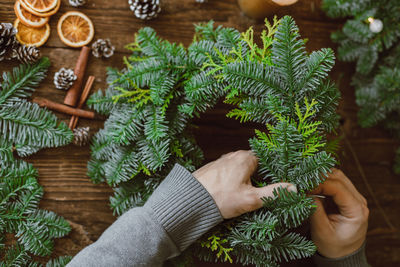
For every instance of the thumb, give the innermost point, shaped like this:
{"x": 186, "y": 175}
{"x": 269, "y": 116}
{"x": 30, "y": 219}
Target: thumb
{"x": 319, "y": 220}
{"x": 268, "y": 191}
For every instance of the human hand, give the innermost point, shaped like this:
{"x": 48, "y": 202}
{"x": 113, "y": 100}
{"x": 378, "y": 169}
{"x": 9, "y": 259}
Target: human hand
{"x": 228, "y": 181}
{"x": 339, "y": 235}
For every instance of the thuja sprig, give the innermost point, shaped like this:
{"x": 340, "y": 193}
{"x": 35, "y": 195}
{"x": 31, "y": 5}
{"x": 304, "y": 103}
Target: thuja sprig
{"x": 217, "y": 244}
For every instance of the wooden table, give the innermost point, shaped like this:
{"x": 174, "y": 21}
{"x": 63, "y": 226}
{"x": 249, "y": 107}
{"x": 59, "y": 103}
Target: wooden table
{"x": 70, "y": 193}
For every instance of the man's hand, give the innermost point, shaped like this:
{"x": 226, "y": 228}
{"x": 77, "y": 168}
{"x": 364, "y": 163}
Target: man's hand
{"x": 228, "y": 182}
{"x": 338, "y": 235}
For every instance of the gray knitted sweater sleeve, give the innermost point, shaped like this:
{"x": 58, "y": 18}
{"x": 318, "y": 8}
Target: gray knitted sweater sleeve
{"x": 179, "y": 212}
{"x": 356, "y": 259}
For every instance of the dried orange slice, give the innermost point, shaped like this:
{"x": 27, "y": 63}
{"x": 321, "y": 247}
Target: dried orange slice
{"x": 27, "y": 18}
{"x": 42, "y": 5}
{"x": 40, "y": 14}
{"x": 32, "y": 36}
{"x": 75, "y": 29}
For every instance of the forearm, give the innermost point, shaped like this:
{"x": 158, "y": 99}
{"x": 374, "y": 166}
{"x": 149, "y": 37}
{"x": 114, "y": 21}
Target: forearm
{"x": 135, "y": 239}
{"x": 356, "y": 259}
{"x": 179, "y": 212}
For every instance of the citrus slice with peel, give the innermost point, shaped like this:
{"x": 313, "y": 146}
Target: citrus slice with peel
{"x": 28, "y": 18}
{"x": 42, "y": 5}
{"x": 40, "y": 14}
{"x": 31, "y": 36}
{"x": 75, "y": 29}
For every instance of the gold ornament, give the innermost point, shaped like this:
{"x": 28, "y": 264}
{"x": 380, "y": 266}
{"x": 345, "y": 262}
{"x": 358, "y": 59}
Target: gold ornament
{"x": 259, "y": 9}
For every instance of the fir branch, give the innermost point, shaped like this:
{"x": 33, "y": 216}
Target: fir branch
{"x": 319, "y": 63}
{"x": 26, "y": 128}
{"x": 101, "y": 102}
{"x": 288, "y": 52}
{"x": 95, "y": 170}
{"x": 131, "y": 195}
{"x": 56, "y": 226}
{"x": 122, "y": 165}
{"x": 254, "y": 79}
{"x": 6, "y": 150}
{"x": 16, "y": 256}
{"x": 374, "y": 53}
{"x": 32, "y": 126}
{"x": 292, "y": 246}
{"x": 126, "y": 125}
{"x": 291, "y": 208}
{"x": 33, "y": 237}
{"x": 23, "y": 80}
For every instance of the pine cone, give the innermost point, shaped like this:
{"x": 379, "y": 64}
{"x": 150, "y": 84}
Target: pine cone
{"x": 77, "y": 3}
{"x": 64, "y": 78}
{"x": 81, "y": 136}
{"x": 103, "y": 47}
{"x": 145, "y": 9}
{"x": 27, "y": 54}
{"x": 7, "y": 40}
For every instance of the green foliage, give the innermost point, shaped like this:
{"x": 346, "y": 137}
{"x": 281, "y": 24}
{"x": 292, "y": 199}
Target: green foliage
{"x": 147, "y": 131}
{"x": 261, "y": 238}
{"x": 289, "y": 208}
{"x": 34, "y": 229}
{"x": 215, "y": 243}
{"x": 377, "y": 58}
{"x": 277, "y": 84}
{"x": 275, "y": 90}
{"x": 26, "y": 128}
{"x": 30, "y": 125}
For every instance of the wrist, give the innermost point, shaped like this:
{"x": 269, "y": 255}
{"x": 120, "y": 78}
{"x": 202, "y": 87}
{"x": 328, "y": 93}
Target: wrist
{"x": 355, "y": 259}
{"x": 336, "y": 252}
{"x": 183, "y": 207}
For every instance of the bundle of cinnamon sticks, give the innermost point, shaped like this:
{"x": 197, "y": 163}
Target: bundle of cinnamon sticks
{"x": 71, "y": 104}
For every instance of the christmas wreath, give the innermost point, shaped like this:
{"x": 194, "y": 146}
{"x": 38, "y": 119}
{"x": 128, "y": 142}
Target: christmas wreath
{"x": 151, "y": 103}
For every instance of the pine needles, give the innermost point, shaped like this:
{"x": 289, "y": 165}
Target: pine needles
{"x": 275, "y": 90}
{"x": 377, "y": 58}
{"x": 22, "y": 122}
{"x": 26, "y": 128}
{"x": 277, "y": 84}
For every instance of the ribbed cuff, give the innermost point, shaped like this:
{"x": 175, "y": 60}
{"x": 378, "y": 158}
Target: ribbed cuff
{"x": 356, "y": 259}
{"x": 184, "y": 207}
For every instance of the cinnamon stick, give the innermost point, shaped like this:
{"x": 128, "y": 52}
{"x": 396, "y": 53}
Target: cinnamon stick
{"x": 43, "y": 102}
{"x": 74, "y": 119}
{"x": 74, "y": 92}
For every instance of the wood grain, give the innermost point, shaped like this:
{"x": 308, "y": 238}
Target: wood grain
{"x": 62, "y": 171}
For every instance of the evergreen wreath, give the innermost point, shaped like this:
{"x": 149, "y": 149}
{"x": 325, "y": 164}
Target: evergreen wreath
{"x": 25, "y": 129}
{"x": 150, "y": 105}
{"x": 377, "y": 57}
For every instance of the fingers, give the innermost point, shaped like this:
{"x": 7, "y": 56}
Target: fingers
{"x": 267, "y": 191}
{"x": 338, "y": 174}
{"x": 345, "y": 199}
{"x": 319, "y": 219}
{"x": 244, "y": 158}
{"x": 250, "y": 160}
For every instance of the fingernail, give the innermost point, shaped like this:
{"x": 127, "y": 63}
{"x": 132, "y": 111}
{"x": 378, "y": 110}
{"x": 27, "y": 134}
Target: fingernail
{"x": 292, "y": 188}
